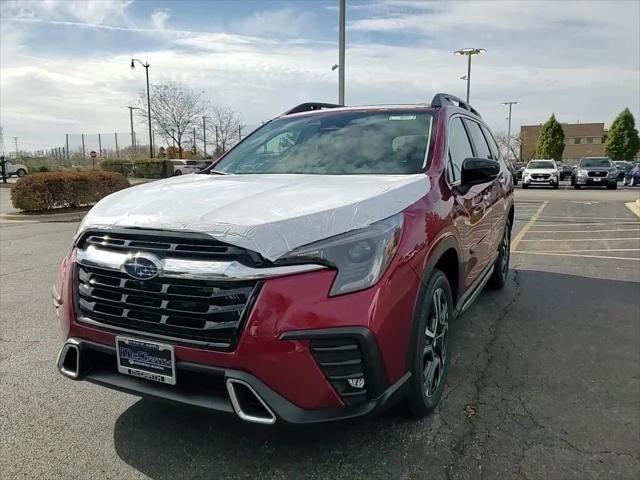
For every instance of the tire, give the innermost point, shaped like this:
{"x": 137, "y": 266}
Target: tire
{"x": 576, "y": 186}
{"x": 613, "y": 187}
{"x": 524, "y": 185}
{"x": 556, "y": 186}
{"x": 177, "y": 172}
{"x": 500, "y": 273}
{"x": 429, "y": 360}
{"x": 21, "y": 172}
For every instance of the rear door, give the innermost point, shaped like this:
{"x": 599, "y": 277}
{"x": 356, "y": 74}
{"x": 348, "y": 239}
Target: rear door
{"x": 490, "y": 230}
{"x": 470, "y": 205}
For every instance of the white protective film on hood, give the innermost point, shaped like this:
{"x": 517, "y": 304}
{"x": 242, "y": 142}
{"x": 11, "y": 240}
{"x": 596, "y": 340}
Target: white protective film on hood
{"x": 269, "y": 214}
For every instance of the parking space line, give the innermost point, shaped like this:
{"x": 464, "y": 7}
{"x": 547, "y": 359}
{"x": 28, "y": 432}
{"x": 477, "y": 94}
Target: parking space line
{"x": 552, "y": 223}
{"x": 586, "y": 231}
{"x": 590, "y": 218}
{"x": 582, "y": 251}
{"x": 577, "y": 255}
{"x": 523, "y": 231}
{"x": 580, "y": 239}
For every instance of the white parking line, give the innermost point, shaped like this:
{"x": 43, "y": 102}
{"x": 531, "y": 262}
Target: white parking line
{"x": 523, "y": 231}
{"x": 588, "y": 218}
{"x": 577, "y": 255}
{"x": 551, "y": 223}
{"x": 580, "y": 239}
{"x": 582, "y": 251}
{"x": 636, "y": 230}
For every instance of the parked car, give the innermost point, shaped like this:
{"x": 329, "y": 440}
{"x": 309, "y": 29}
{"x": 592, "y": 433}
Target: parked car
{"x": 595, "y": 171}
{"x": 182, "y": 167}
{"x": 514, "y": 172}
{"x": 622, "y": 167}
{"x": 632, "y": 177}
{"x": 541, "y": 173}
{"x": 565, "y": 170}
{"x": 313, "y": 273}
{"x": 16, "y": 169}
{"x": 202, "y": 164}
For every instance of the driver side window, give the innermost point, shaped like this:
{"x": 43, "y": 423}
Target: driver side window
{"x": 459, "y": 149}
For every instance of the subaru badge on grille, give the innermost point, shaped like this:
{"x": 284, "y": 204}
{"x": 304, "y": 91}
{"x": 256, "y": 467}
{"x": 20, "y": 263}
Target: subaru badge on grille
{"x": 142, "y": 266}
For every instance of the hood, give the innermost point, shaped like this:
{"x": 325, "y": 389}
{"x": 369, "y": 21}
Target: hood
{"x": 269, "y": 214}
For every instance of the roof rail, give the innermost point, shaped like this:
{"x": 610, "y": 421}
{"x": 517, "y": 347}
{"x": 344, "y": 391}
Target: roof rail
{"x": 441, "y": 99}
{"x": 310, "y": 106}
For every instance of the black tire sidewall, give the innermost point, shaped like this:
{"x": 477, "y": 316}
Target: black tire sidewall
{"x": 418, "y": 403}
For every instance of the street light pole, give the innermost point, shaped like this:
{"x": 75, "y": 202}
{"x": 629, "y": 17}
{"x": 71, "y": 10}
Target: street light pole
{"x": 146, "y": 67}
{"x": 469, "y": 52}
{"x": 511, "y": 104}
{"x": 341, "y": 42}
{"x": 204, "y": 135}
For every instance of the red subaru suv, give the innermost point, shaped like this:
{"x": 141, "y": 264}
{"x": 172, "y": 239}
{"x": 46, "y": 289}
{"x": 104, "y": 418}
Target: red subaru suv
{"x": 313, "y": 273}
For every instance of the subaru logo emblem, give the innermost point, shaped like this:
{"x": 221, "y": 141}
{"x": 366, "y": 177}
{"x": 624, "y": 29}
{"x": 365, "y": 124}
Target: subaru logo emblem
{"x": 142, "y": 266}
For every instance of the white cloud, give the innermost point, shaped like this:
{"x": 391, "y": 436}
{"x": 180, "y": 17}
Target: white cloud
{"x": 87, "y": 11}
{"x": 283, "y": 22}
{"x": 159, "y": 18}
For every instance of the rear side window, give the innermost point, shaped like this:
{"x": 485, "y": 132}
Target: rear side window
{"x": 493, "y": 146}
{"x": 482, "y": 149}
{"x": 459, "y": 149}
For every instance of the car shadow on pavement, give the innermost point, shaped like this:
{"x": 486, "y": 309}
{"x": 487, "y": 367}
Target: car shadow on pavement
{"x": 534, "y": 370}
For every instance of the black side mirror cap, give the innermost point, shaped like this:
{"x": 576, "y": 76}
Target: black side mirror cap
{"x": 479, "y": 170}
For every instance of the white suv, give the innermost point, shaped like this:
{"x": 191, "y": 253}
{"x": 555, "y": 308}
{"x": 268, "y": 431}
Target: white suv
{"x": 15, "y": 169}
{"x": 541, "y": 172}
{"x": 182, "y": 167}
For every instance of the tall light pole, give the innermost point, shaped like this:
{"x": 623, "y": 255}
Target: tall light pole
{"x": 204, "y": 135}
{"x": 511, "y": 104}
{"x": 469, "y": 52}
{"x": 341, "y": 21}
{"x": 146, "y": 67}
{"x": 133, "y": 134}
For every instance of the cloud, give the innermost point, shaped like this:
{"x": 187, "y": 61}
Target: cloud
{"x": 284, "y": 22}
{"x": 85, "y": 11}
{"x": 159, "y": 18}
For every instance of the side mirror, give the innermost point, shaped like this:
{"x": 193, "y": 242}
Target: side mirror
{"x": 479, "y": 170}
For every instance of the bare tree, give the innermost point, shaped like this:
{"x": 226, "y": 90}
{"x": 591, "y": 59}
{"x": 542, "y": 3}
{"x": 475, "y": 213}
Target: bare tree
{"x": 516, "y": 142}
{"x": 175, "y": 111}
{"x": 224, "y": 127}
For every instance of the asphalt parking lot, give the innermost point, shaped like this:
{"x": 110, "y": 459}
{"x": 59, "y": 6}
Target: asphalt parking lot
{"x": 545, "y": 379}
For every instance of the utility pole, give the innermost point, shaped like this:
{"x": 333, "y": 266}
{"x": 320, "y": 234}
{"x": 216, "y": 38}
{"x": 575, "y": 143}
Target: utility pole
{"x": 67, "y": 146}
{"x": 204, "y": 136}
{"x": 146, "y": 67}
{"x": 341, "y": 41}
{"x": 133, "y": 135}
{"x": 15, "y": 139}
{"x": 217, "y": 144}
{"x": 469, "y": 52}
{"x": 511, "y": 104}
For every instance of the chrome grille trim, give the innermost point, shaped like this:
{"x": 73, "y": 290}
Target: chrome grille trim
{"x": 192, "y": 269}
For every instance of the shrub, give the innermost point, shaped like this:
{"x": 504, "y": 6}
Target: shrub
{"x": 149, "y": 168}
{"x": 43, "y": 168}
{"x": 44, "y": 191}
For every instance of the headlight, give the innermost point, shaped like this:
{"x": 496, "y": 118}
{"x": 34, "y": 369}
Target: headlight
{"x": 360, "y": 257}
{"x": 613, "y": 173}
{"x": 582, "y": 173}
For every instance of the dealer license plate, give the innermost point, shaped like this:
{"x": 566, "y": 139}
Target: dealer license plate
{"x": 148, "y": 360}
{"x": 597, "y": 179}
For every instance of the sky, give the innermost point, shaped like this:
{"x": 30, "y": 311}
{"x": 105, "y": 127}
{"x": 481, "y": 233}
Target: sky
{"x": 64, "y": 64}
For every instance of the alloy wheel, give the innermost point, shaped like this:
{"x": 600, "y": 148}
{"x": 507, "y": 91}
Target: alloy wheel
{"x": 436, "y": 338}
{"x": 505, "y": 252}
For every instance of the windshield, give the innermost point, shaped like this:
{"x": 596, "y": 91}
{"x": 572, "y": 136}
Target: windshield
{"x": 595, "y": 162}
{"x": 391, "y": 142}
{"x": 541, "y": 164}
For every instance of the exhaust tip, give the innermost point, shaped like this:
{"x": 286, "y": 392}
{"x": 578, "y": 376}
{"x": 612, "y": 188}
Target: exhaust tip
{"x": 248, "y": 405}
{"x": 69, "y": 359}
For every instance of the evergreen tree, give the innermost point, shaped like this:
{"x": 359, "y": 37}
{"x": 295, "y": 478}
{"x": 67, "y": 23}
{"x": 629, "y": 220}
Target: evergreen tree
{"x": 622, "y": 140}
{"x": 551, "y": 140}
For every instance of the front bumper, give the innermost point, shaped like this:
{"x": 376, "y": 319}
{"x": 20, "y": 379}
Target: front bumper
{"x": 212, "y": 388}
{"x": 596, "y": 181}
{"x": 551, "y": 182}
{"x": 274, "y": 354}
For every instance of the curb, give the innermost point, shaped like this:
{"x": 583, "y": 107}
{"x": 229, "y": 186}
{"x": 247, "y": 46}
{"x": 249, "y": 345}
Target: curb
{"x": 50, "y": 217}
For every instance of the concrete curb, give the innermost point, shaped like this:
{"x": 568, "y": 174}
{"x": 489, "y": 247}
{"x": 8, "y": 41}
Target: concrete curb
{"x": 49, "y": 217}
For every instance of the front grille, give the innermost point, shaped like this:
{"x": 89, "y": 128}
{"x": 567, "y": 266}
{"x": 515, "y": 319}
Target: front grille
{"x": 207, "y": 312}
{"x": 540, "y": 176}
{"x": 341, "y": 359}
{"x": 597, "y": 174}
{"x": 169, "y": 244}
{"x": 191, "y": 310}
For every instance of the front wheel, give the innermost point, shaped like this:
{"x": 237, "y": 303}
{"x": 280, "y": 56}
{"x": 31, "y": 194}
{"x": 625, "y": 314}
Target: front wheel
{"x": 177, "y": 172}
{"x": 21, "y": 172}
{"x": 430, "y": 359}
{"x": 576, "y": 186}
{"x": 501, "y": 267}
{"x": 556, "y": 186}
{"x": 524, "y": 185}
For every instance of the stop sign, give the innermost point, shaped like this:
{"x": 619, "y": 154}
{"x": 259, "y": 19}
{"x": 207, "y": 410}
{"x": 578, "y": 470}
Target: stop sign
{"x": 93, "y": 154}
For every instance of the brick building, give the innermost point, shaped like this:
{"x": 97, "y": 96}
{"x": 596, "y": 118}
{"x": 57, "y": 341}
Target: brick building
{"x": 580, "y": 140}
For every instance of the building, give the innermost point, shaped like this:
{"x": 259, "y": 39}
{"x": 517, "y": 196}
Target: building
{"x": 580, "y": 140}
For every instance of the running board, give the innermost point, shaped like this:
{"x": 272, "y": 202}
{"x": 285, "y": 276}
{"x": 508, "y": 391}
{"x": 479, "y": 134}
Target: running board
{"x": 471, "y": 298}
